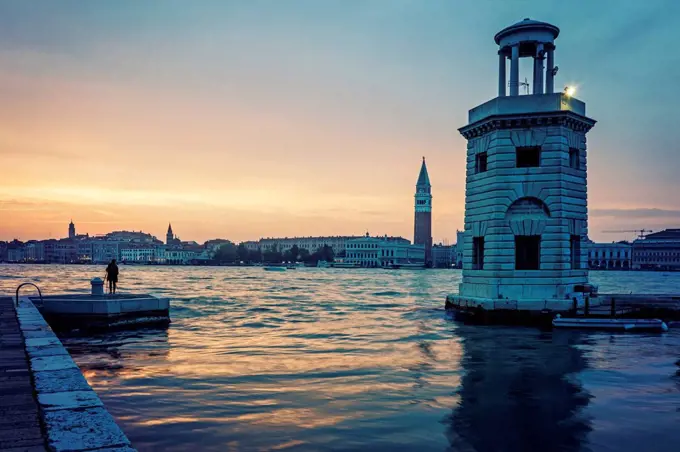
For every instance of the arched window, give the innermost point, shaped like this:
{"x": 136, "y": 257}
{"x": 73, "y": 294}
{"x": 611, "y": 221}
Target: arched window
{"x": 527, "y": 218}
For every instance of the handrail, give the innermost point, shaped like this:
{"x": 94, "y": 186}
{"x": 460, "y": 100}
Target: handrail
{"x": 28, "y": 284}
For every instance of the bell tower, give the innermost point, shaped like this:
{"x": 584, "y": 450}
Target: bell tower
{"x": 422, "y": 233}
{"x": 526, "y": 210}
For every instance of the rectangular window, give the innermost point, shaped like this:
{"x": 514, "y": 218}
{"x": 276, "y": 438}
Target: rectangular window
{"x": 528, "y": 157}
{"x": 478, "y": 253}
{"x": 575, "y": 251}
{"x": 527, "y": 252}
{"x": 480, "y": 162}
{"x": 574, "y": 158}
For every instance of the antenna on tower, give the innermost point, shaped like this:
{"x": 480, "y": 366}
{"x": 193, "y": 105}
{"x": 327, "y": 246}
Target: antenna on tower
{"x": 525, "y": 84}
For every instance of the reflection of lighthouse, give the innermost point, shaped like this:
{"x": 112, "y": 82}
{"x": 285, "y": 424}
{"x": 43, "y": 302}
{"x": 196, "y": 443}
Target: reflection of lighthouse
{"x": 517, "y": 394}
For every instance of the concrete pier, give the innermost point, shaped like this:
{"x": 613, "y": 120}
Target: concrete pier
{"x": 52, "y": 407}
{"x": 20, "y": 427}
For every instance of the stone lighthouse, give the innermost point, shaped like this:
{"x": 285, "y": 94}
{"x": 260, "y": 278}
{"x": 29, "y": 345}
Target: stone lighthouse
{"x": 526, "y": 210}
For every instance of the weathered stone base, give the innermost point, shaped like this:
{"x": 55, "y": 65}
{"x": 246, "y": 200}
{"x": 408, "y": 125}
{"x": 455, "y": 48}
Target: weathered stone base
{"x": 487, "y": 311}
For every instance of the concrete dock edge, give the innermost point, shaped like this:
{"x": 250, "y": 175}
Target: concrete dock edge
{"x": 74, "y": 417}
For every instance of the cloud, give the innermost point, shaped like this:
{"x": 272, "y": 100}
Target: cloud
{"x": 636, "y": 213}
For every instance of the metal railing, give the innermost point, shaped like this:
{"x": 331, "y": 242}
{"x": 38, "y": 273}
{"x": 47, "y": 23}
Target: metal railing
{"x": 28, "y": 284}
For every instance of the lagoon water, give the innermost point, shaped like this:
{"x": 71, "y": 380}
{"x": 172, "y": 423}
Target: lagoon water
{"x": 326, "y": 359}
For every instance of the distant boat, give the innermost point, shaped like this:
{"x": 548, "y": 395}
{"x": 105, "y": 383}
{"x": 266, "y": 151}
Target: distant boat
{"x": 345, "y": 265}
{"x": 406, "y": 266}
{"x": 322, "y": 264}
{"x": 291, "y": 267}
{"x": 275, "y": 269}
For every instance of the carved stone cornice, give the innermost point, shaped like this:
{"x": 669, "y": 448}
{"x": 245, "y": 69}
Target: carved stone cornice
{"x": 568, "y": 119}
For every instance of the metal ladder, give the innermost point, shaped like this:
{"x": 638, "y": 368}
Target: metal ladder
{"x": 28, "y": 284}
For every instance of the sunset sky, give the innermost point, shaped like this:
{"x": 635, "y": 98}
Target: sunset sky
{"x": 242, "y": 119}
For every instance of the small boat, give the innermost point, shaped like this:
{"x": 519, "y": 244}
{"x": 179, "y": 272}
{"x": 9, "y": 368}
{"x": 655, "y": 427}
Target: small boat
{"x": 345, "y": 265}
{"x": 406, "y": 266}
{"x": 322, "y": 264}
{"x": 610, "y": 324}
{"x": 275, "y": 269}
{"x": 291, "y": 267}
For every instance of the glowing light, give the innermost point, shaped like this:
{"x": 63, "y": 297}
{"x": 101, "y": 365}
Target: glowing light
{"x": 570, "y": 90}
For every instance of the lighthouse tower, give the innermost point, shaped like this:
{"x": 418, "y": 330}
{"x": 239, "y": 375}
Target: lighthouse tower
{"x": 526, "y": 200}
{"x": 422, "y": 225}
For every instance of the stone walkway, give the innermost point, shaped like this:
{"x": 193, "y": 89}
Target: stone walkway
{"x": 19, "y": 419}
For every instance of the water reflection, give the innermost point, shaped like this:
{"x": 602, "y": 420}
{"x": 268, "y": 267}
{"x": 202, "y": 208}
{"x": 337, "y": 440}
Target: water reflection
{"x": 117, "y": 353}
{"x": 519, "y": 392}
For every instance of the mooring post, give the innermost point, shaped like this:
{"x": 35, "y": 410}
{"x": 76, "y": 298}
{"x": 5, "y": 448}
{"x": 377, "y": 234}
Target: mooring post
{"x": 574, "y": 306}
{"x": 586, "y": 311}
{"x": 613, "y": 308}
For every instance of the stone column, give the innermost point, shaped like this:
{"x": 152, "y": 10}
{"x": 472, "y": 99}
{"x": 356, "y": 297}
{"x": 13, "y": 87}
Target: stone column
{"x": 514, "y": 71}
{"x": 538, "y": 70}
{"x": 549, "y": 77}
{"x": 501, "y": 74}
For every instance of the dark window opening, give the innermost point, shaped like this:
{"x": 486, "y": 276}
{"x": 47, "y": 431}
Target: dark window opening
{"x": 480, "y": 162}
{"x": 527, "y": 252}
{"x": 574, "y": 158}
{"x": 575, "y": 251}
{"x": 478, "y": 253}
{"x": 528, "y": 157}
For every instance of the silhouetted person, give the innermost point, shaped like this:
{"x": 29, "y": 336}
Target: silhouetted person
{"x": 112, "y": 276}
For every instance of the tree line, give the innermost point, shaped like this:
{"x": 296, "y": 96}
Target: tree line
{"x": 232, "y": 254}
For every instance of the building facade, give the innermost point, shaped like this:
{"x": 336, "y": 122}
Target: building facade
{"x": 422, "y": 223}
{"x": 610, "y": 256}
{"x": 657, "y": 251}
{"x": 526, "y": 196}
{"x": 460, "y": 242}
{"x": 443, "y": 256}
{"x": 382, "y": 252}
{"x": 311, "y": 244}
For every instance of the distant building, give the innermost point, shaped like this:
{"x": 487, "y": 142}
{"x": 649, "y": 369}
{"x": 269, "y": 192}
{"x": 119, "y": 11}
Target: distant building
{"x": 171, "y": 239}
{"x": 311, "y": 244}
{"x": 660, "y": 251}
{"x": 103, "y": 251}
{"x": 252, "y": 245}
{"x": 138, "y": 253}
{"x": 34, "y": 251}
{"x": 422, "y": 224}
{"x": 443, "y": 256}
{"x": 375, "y": 252}
{"x": 132, "y": 236}
{"x": 610, "y": 255}
{"x": 71, "y": 230}
{"x": 460, "y": 240}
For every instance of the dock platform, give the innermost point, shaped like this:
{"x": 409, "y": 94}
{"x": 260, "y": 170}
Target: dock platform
{"x": 664, "y": 307}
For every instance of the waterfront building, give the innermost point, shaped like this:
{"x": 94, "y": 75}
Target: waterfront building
{"x": 311, "y": 244}
{"x": 141, "y": 253}
{"x": 612, "y": 256}
{"x": 657, "y": 251}
{"x": 252, "y": 245}
{"x": 71, "y": 230}
{"x": 132, "y": 236}
{"x": 460, "y": 240}
{"x": 34, "y": 251}
{"x": 103, "y": 251}
{"x": 526, "y": 196}
{"x": 443, "y": 256}
{"x": 3, "y": 251}
{"x": 15, "y": 254}
{"x": 375, "y": 252}
{"x": 180, "y": 256}
{"x": 422, "y": 224}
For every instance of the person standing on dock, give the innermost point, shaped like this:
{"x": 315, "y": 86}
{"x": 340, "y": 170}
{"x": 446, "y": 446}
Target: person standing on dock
{"x": 112, "y": 276}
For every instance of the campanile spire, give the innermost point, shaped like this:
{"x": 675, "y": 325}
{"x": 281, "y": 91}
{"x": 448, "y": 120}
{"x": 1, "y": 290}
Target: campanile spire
{"x": 422, "y": 233}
